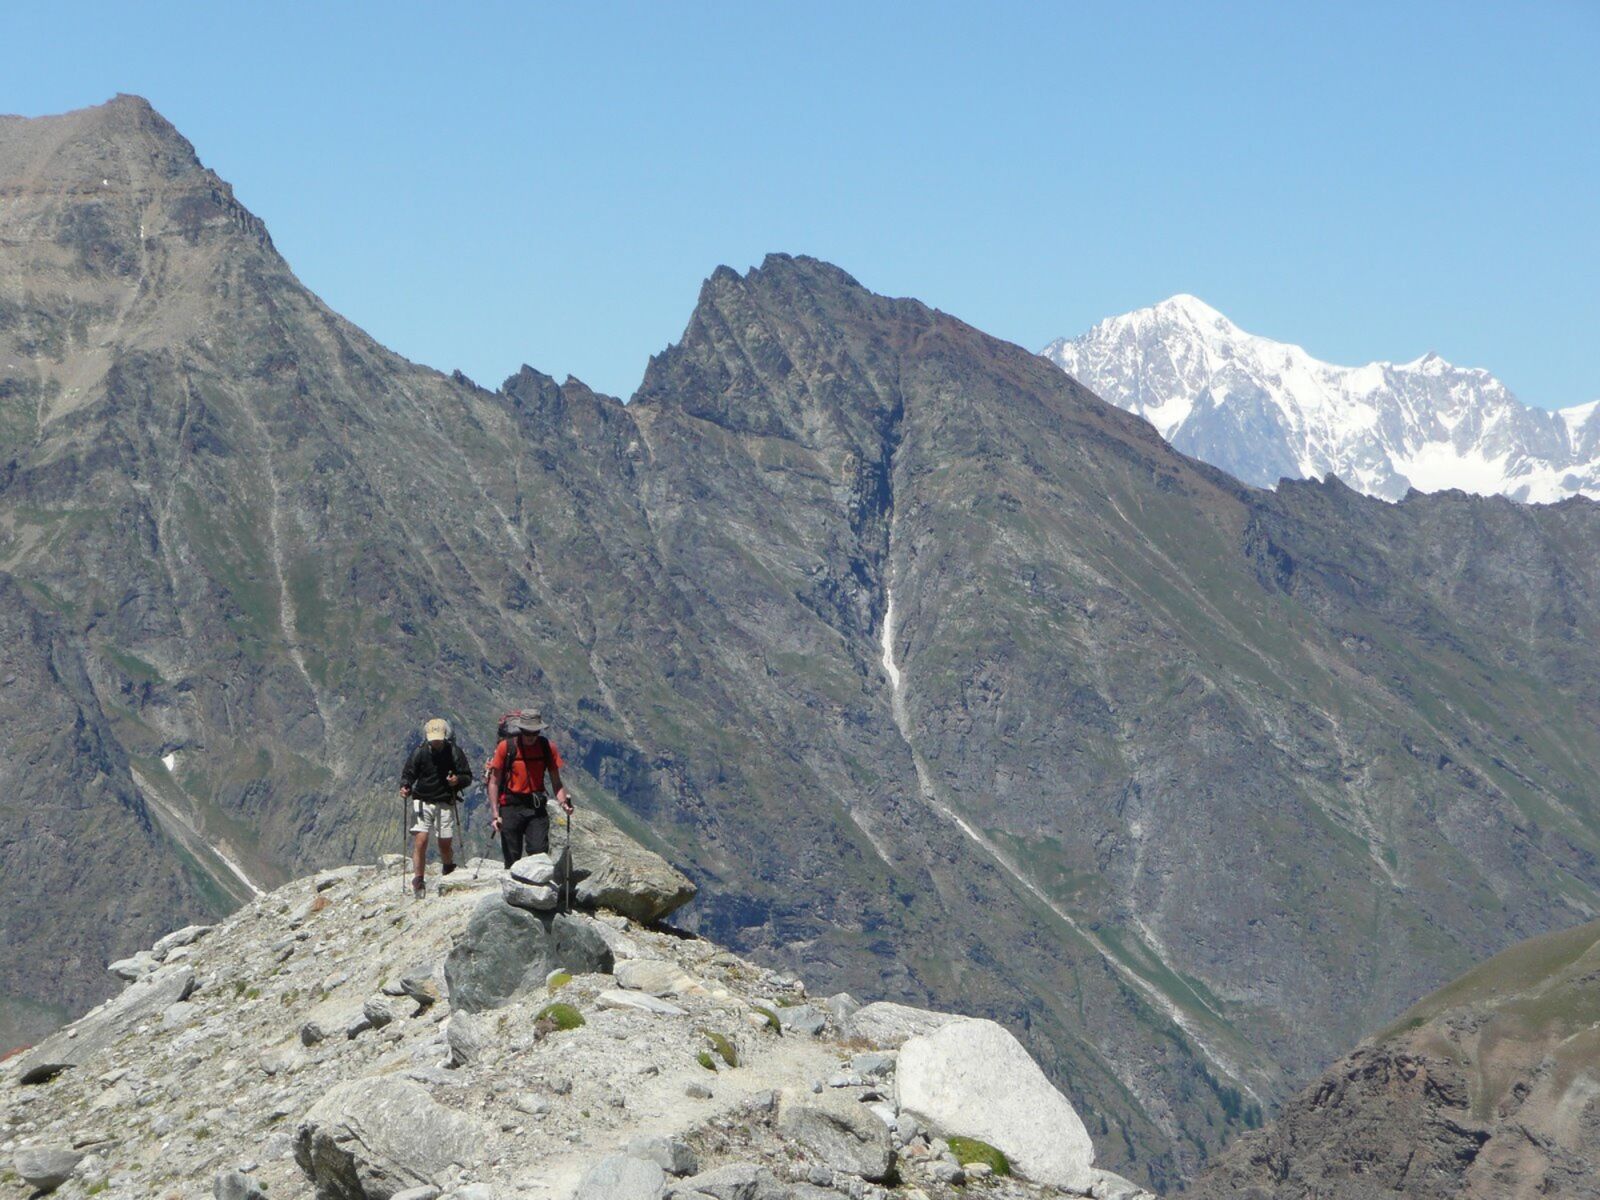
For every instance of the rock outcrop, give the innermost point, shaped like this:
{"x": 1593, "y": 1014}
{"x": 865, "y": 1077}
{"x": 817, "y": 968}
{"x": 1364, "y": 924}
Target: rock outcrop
{"x": 1487, "y": 1090}
{"x": 973, "y": 1079}
{"x": 337, "y": 1038}
{"x": 371, "y": 1139}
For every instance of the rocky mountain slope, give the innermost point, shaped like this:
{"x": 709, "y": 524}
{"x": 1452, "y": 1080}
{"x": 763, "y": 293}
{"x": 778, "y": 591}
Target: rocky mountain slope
{"x": 1489, "y": 1089}
{"x": 336, "y": 1038}
{"x": 1265, "y": 410}
{"x": 948, "y": 682}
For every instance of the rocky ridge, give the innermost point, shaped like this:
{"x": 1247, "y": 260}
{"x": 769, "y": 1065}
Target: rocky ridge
{"x": 1488, "y": 1089}
{"x": 335, "y": 1038}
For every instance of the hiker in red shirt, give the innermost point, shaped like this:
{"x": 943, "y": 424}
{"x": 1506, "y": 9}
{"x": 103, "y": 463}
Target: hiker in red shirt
{"x": 518, "y": 802}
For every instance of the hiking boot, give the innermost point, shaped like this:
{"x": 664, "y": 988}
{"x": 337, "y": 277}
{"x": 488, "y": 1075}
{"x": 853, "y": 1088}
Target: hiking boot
{"x": 418, "y": 888}
{"x": 448, "y": 867}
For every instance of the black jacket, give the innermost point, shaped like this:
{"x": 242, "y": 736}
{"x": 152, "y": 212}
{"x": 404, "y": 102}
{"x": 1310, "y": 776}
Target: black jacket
{"x": 426, "y": 768}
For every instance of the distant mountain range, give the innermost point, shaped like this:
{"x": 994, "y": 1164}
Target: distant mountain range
{"x": 1265, "y": 410}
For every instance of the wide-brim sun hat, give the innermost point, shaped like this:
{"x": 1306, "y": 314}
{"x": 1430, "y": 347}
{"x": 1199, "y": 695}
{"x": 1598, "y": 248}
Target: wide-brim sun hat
{"x": 529, "y": 720}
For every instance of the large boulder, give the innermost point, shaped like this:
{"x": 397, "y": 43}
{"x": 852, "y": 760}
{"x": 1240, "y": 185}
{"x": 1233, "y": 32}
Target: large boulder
{"x": 505, "y": 951}
{"x": 45, "y": 1167}
{"x": 91, "y": 1035}
{"x": 622, "y": 1177}
{"x": 840, "y": 1132}
{"x": 368, "y": 1139}
{"x": 972, "y": 1078}
{"x": 888, "y": 1025}
{"x": 611, "y": 870}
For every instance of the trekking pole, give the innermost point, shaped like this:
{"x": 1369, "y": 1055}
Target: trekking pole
{"x": 405, "y": 843}
{"x": 566, "y": 854}
{"x": 477, "y": 863}
{"x": 455, "y": 816}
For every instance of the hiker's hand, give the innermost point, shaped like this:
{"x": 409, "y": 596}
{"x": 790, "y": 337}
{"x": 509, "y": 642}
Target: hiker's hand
{"x": 405, "y": 791}
{"x": 563, "y": 800}
{"x": 494, "y": 822}
{"x": 453, "y": 780}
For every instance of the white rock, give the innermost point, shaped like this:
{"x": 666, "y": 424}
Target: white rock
{"x": 641, "y": 1001}
{"x": 972, "y": 1078}
{"x": 535, "y": 869}
{"x": 653, "y": 975}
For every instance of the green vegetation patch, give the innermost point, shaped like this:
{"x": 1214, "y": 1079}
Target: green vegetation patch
{"x": 723, "y": 1047}
{"x": 772, "y": 1018}
{"x": 562, "y": 1016}
{"x": 971, "y": 1150}
{"x": 557, "y": 981}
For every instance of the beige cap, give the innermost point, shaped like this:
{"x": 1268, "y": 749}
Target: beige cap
{"x": 437, "y": 730}
{"x": 529, "y": 720}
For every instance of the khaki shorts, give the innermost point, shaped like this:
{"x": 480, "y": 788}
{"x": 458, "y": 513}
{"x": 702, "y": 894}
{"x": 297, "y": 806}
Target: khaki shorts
{"x": 437, "y": 819}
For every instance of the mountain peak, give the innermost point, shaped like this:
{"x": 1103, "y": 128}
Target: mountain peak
{"x": 1265, "y": 410}
{"x": 1191, "y": 308}
{"x": 123, "y": 141}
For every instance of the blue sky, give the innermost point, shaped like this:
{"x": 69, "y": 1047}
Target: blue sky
{"x": 480, "y": 185}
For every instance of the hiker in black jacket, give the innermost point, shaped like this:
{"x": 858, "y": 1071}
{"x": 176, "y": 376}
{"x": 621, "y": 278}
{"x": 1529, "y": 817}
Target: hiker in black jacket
{"x": 433, "y": 775}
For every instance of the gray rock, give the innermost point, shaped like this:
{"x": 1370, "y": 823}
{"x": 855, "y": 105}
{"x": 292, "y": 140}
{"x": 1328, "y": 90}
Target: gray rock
{"x": 841, "y": 1007}
{"x": 356, "y": 1026}
{"x": 187, "y": 936}
{"x": 370, "y": 1138}
{"x": 536, "y": 869}
{"x": 377, "y": 1012}
{"x": 419, "y": 984}
{"x": 236, "y": 1185}
{"x": 613, "y": 871}
{"x": 47, "y": 1167}
{"x": 739, "y": 1181}
{"x": 134, "y": 967}
{"x": 888, "y": 1025}
{"x": 505, "y": 951}
{"x": 697, "y": 1091}
{"x": 947, "y": 1172}
{"x": 1107, "y": 1185}
{"x": 335, "y": 876}
{"x": 873, "y": 1065}
{"x": 840, "y": 1132}
{"x": 671, "y": 1154}
{"x": 621, "y": 1177}
{"x": 312, "y": 1032}
{"x": 468, "y": 1038}
{"x": 91, "y": 1035}
{"x": 542, "y": 897}
{"x": 802, "y": 1019}
{"x": 417, "y": 1193}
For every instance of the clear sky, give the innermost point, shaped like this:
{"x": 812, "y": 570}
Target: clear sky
{"x": 481, "y": 185}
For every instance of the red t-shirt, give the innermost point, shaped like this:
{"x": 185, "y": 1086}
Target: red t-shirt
{"x": 527, "y": 766}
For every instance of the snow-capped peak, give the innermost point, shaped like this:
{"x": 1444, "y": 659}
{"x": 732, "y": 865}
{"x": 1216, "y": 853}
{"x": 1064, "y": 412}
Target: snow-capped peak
{"x": 1265, "y": 410}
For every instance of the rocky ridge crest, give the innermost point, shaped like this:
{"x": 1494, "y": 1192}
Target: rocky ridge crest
{"x": 335, "y": 1038}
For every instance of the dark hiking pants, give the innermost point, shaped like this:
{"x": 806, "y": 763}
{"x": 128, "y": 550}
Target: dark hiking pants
{"x": 524, "y": 830}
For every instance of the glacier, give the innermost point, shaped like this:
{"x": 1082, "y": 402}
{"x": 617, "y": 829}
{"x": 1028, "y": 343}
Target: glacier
{"x": 1264, "y": 410}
